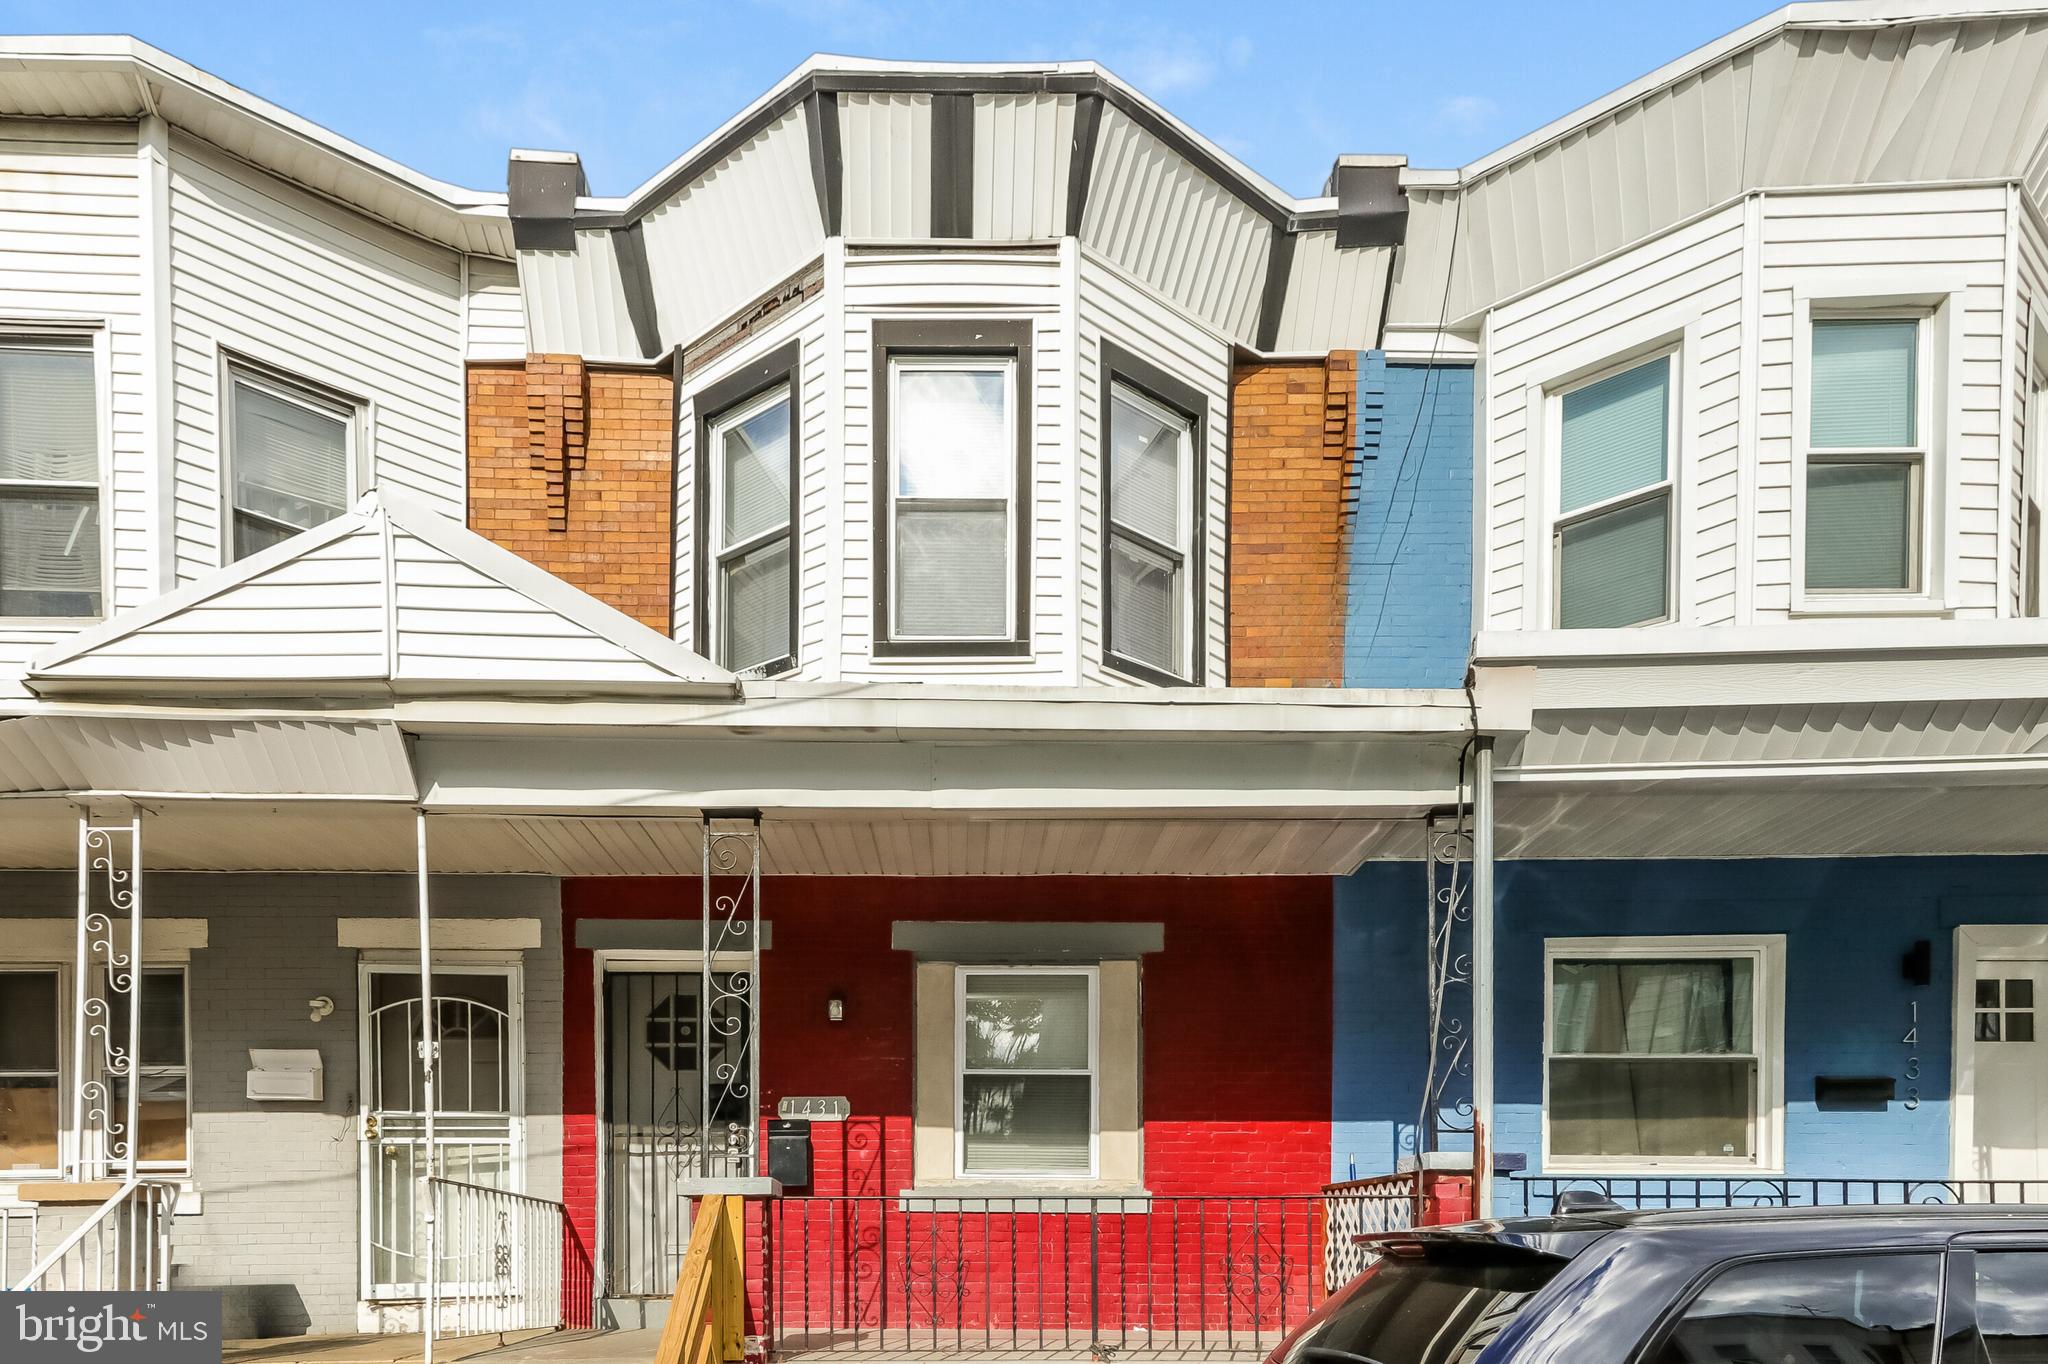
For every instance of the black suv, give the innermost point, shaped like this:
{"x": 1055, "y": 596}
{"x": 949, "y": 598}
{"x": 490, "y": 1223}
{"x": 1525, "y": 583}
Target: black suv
{"x": 1903, "y": 1285}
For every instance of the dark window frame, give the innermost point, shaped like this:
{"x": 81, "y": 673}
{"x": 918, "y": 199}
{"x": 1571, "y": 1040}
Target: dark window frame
{"x": 1008, "y": 339}
{"x": 1121, "y": 366}
{"x": 780, "y": 367}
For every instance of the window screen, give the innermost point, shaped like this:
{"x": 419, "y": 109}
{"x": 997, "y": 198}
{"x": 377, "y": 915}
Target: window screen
{"x": 1150, "y": 453}
{"x": 1614, "y": 499}
{"x": 1027, "y": 1074}
{"x": 1653, "y": 1058}
{"x": 288, "y": 463}
{"x": 953, "y": 470}
{"x": 49, "y": 482}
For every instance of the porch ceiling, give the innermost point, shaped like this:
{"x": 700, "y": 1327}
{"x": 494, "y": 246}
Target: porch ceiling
{"x": 314, "y": 836}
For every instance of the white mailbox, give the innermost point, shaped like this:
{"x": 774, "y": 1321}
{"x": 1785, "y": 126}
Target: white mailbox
{"x": 285, "y": 1076}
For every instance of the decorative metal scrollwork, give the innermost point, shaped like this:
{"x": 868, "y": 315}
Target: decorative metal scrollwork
{"x": 729, "y": 1001}
{"x": 107, "y": 968}
{"x": 1447, "y": 1072}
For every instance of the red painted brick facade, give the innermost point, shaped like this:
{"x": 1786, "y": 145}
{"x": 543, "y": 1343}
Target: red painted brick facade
{"x": 1291, "y": 491}
{"x": 1236, "y": 1055}
{"x": 571, "y": 468}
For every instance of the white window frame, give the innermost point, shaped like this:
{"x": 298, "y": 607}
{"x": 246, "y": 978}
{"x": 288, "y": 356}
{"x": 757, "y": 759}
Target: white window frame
{"x": 1182, "y": 552}
{"x": 720, "y": 553}
{"x": 71, "y": 1142}
{"x": 89, "y": 335}
{"x": 960, "y": 975}
{"x": 2033, "y": 450}
{"x": 1935, "y": 296}
{"x": 239, "y": 371}
{"x": 1766, "y": 952}
{"x": 1557, "y": 520}
{"x": 1919, "y": 456}
{"x": 940, "y": 360}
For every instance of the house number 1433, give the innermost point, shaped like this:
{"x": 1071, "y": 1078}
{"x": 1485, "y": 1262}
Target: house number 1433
{"x": 1912, "y": 1041}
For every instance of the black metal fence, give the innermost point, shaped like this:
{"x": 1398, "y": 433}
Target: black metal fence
{"x": 1539, "y": 1195}
{"x": 1204, "y": 1277}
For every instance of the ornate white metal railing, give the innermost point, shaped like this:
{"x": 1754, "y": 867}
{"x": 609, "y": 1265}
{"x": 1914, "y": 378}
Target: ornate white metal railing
{"x": 504, "y": 1264}
{"x": 124, "y": 1245}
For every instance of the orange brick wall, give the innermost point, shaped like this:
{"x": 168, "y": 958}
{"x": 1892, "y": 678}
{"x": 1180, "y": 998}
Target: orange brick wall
{"x": 570, "y": 468}
{"x": 1290, "y": 500}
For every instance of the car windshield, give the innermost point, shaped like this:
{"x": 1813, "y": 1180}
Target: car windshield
{"x": 1442, "y": 1306}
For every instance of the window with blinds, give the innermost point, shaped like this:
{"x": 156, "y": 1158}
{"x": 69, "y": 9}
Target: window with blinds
{"x": 1150, "y": 453}
{"x": 50, "y": 561}
{"x": 952, "y": 485}
{"x": 289, "y": 452}
{"x": 1612, "y": 538}
{"x": 753, "y": 619}
{"x": 1866, "y": 458}
{"x": 1027, "y": 1072}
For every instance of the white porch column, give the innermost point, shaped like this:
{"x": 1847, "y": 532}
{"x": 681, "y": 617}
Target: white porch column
{"x": 430, "y": 1047}
{"x": 107, "y": 1142}
{"x": 1482, "y": 977}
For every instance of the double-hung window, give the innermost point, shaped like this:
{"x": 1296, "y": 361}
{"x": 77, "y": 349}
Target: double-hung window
{"x": 751, "y": 609}
{"x": 1155, "y": 428}
{"x": 164, "y": 1094}
{"x": 951, "y": 520}
{"x": 290, "y": 457}
{"x": 1660, "y": 1051}
{"x": 1027, "y": 1063}
{"x": 1866, "y": 456}
{"x": 30, "y": 1051}
{"x": 49, "y": 479}
{"x": 1611, "y": 540}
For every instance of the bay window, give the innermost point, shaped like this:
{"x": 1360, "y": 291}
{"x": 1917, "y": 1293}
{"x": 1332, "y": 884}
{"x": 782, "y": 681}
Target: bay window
{"x": 290, "y": 454}
{"x": 1027, "y": 1071}
{"x": 1662, "y": 1052}
{"x": 1154, "y": 430}
{"x": 1611, "y": 539}
{"x": 952, "y": 522}
{"x": 50, "y": 562}
{"x": 1866, "y": 462}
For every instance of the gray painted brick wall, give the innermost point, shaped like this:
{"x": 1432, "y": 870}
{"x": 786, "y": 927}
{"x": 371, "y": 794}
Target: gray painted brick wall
{"x": 279, "y": 1203}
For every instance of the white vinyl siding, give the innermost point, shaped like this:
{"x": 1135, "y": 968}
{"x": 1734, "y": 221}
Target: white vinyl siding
{"x": 1005, "y": 287}
{"x": 497, "y": 315}
{"x": 71, "y": 254}
{"x": 264, "y": 271}
{"x": 818, "y": 447}
{"x": 1735, "y": 293}
{"x": 1114, "y": 308}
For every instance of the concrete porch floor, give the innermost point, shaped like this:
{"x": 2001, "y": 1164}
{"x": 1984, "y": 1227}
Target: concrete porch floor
{"x": 523, "y": 1347}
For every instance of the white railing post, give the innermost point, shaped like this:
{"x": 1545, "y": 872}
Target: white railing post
{"x": 430, "y": 1041}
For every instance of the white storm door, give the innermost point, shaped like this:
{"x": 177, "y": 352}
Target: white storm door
{"x": 2001, "y": 1109}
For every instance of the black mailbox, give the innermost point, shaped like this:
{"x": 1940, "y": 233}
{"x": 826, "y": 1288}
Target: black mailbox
{"x": 789, "y": 1152}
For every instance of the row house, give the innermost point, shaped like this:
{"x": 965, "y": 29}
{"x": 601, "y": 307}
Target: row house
{"x": 1756, "y": 367}
{"x": 819, "y": 683}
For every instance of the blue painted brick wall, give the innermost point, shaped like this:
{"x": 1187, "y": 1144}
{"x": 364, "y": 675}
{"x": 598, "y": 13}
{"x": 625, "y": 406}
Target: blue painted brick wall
{"x": 1408, "y": 604}
{"x": 1847, "y": 923}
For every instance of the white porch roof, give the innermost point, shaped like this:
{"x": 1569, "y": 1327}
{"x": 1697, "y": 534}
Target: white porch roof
{"x": 388, "y": 599}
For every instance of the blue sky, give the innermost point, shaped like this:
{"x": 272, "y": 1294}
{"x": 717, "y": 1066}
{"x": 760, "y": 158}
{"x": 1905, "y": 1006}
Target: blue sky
{"x": 448, "y": 88}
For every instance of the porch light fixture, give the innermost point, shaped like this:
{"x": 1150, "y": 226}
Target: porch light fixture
{"x": 835, "y": 1010}
{"x": 318, "y": 1008}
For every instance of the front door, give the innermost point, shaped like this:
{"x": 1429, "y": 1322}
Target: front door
{"x": 476, "y": 1107}
{"x": 665, "y": 1055}
{"x": 2002, "y": 1075}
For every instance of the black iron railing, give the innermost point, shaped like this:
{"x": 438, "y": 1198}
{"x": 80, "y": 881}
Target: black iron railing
{"x": 1222, "y": 1277}
{"x": 1539, "y": 1194}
